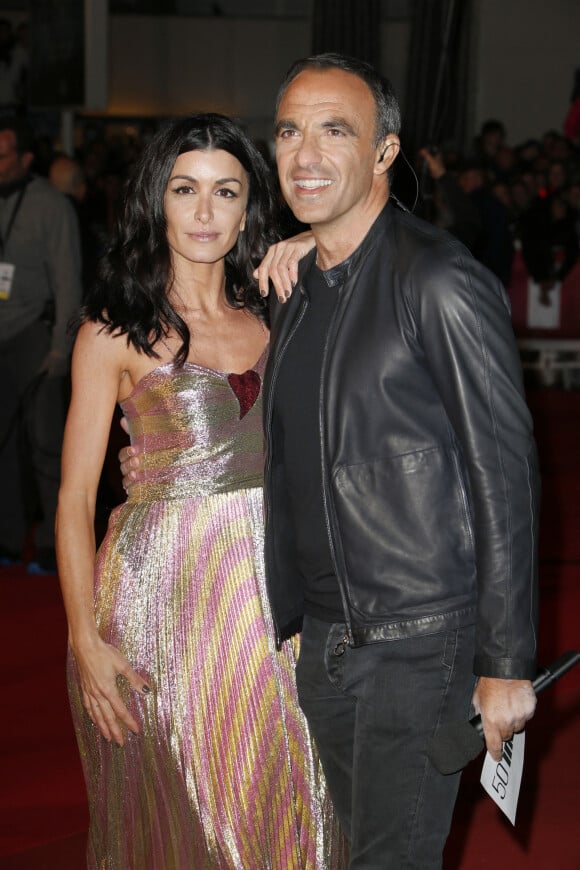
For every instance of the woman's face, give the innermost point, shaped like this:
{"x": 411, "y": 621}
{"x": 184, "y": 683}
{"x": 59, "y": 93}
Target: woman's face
{"x": 205, "y": 206}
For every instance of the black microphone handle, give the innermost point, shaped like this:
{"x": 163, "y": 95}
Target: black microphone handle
{"x": 544, "y": 678}
{"x": 458, "y": 743}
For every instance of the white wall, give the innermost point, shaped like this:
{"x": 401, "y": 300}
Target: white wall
{"x": 525, "y": 53}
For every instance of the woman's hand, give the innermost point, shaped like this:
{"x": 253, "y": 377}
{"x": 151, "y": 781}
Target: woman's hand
{"x": 280, "y": 265}
{"x": 100, "y": 665}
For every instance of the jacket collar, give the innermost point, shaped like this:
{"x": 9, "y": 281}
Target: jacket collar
{"x": 339, "y": 273}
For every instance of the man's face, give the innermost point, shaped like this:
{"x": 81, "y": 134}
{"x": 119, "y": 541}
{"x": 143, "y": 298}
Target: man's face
{"x": 329, "y": 166}
{"x": 13, "y": 165}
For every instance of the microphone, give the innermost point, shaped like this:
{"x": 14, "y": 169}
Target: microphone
{"x": 457, "y": 744}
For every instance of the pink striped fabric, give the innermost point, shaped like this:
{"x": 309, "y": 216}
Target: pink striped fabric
{"x": 224, "y": 774}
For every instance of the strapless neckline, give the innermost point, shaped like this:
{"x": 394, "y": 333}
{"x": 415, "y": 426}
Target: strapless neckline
{"x": 187, "y": 365}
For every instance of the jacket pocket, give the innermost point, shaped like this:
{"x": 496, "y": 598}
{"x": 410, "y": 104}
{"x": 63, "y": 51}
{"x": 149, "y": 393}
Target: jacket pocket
{"x": 404, "y": 534}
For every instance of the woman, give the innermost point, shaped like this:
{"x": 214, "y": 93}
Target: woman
{"x": 195, "y": 752}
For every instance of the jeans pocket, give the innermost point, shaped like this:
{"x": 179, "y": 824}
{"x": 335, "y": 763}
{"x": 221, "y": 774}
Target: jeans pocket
{"x": 449, "y": 650}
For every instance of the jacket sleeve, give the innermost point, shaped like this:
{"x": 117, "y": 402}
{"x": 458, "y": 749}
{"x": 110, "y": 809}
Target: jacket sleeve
{"x": 470, "y": 350}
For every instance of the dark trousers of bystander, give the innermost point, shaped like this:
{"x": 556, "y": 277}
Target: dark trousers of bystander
{"x": 32, "y": 411}
{"x": 372, "y": 711}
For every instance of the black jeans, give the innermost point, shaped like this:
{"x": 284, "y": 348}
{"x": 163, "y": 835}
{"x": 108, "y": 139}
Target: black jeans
{"x": 372, "y": 711}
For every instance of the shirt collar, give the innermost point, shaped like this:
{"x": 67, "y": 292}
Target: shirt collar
{"x": 337, "y": 275}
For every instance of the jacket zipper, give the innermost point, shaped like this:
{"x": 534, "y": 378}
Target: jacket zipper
{"x": 326, "y": 497}
{"x": 269, "y": 413}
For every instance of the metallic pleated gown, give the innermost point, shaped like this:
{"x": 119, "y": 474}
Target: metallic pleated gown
{"x": 223, "y": 773}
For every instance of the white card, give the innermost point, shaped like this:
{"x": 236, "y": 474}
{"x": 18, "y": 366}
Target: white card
{"x": 502, "y": 779}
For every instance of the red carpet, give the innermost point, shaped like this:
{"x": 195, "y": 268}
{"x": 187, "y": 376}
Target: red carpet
{"x": 42, "y": 791}
{"x": 43, "y": 814}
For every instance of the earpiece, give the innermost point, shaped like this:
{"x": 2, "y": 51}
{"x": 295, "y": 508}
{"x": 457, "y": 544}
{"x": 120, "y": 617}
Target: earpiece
{"x": 384, "y": 151}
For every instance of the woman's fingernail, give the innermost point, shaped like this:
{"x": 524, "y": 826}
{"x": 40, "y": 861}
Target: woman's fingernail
{"x": 145, "y": 690}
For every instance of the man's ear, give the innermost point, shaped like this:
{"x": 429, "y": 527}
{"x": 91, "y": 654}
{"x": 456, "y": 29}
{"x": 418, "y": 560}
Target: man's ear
{"x": 387, "y": 152}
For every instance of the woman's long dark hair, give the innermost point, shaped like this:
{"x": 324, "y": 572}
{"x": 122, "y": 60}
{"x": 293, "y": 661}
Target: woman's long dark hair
{"x": 130, "y": 295}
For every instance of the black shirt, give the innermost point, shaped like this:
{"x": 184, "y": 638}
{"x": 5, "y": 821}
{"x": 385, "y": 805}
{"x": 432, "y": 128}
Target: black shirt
{"x": 297, "y": 418}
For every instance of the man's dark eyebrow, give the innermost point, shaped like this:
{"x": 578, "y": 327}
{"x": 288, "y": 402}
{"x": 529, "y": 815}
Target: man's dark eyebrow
{"x": 330, "y": 123}
{"x": 340, "y": 124}
{"x": 283, "y": 124}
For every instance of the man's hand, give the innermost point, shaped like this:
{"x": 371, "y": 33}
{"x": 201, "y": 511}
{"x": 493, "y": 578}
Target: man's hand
{"x": 131, "y": 461}
{"x": 280, "y": 265}
{"x": 434, "y": 162}
{"x": 505, "y": 706}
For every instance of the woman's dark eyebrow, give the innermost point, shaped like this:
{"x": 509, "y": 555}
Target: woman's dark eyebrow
{"x": 217, "y": 181}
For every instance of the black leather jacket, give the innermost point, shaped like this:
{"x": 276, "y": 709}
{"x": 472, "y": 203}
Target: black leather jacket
{"x": 429, "y": 463}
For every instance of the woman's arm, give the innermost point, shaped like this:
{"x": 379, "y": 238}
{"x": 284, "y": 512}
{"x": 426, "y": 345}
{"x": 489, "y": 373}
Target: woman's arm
{"x": 99, "y": 361}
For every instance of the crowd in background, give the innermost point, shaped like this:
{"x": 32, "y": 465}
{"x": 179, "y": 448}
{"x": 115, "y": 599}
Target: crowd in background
{"x": 499, "y": 199}
{"x": 496, "y": 197}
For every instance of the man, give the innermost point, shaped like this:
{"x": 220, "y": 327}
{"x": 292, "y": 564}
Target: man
{"x": 401, "y": 476}
{"x": 469, "y": 209}
{"x": 67, "y": 175}
{"x": 40, "y": 288}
